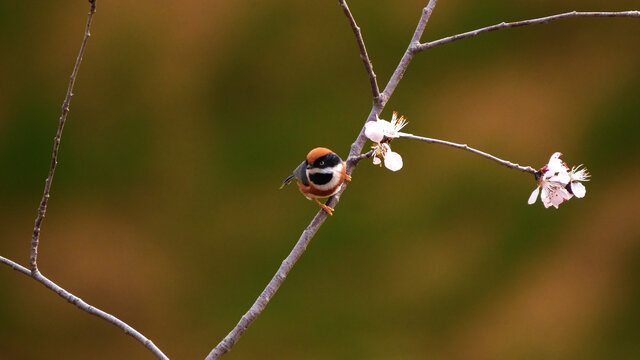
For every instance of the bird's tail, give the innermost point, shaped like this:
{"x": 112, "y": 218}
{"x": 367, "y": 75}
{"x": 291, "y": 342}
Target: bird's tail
{"x": 287, "y": 180}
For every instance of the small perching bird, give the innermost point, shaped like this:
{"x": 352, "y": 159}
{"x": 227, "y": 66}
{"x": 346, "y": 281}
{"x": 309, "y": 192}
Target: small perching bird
{"x": 320, "y": 176}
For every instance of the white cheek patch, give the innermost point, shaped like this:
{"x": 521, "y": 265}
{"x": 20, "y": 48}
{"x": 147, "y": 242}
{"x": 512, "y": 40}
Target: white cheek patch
{"x": 321, "y": 171}
{"x": 334, "y": 180}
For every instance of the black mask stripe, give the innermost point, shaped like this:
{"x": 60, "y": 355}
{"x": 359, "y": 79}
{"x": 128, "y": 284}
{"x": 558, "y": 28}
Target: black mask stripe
{"x": 329, "y": 160}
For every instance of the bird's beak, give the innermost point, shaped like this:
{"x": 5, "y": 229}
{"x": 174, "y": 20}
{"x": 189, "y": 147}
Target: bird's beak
{"x": 309, "y": 166}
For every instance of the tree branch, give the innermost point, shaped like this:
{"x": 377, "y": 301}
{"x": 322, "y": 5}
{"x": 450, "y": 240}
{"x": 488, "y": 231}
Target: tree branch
{"x": 15, "y": 266}
{"x": 354, "y": 157}
{"x": 527, "y": 169}
{"x": 363, "y": 51}
{"x": 505, "y": 25}
{"x": 86, "y": 307}
{"x": 42, "y": 209}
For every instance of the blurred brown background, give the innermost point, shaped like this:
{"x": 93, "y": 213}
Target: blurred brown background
{"x": 165, "y": 208}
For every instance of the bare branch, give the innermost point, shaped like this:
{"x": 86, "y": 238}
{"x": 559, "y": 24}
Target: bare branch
{"x": 261, "y": 302}
{"x": 354, "y": 157}
{"x": 36, "y": 275}
{"x": 33, "y": 271}
{"x": 527, "y": 169}
{"x": 363, "y": 51}
{"x": 505, "y": 25}
{"x": 42, "y": 209}
{"x": 15, "y": 266}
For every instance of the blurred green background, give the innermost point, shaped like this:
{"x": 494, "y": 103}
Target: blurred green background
{"x": 165, "y": 209}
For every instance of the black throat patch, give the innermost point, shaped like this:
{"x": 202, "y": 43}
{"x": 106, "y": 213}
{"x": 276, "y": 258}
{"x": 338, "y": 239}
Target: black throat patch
{"x": 320, "y": 178}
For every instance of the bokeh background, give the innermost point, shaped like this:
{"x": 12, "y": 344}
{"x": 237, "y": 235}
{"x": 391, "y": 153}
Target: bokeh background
{"x": 165, "y": 209}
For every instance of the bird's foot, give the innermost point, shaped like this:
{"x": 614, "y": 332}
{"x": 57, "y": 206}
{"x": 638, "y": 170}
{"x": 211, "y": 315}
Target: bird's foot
{"x": 324, "y": 207}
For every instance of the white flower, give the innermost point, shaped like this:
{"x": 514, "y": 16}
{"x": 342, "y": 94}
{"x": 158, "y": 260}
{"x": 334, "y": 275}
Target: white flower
{"x": 374, "y": 130}
{"x": 553, "y": 179}
{"x": 576, "y": 176}
{"x": 556, "y": 169}
{"x": 392, "y": 160}
{"x": 380, "y": 129}
{"x": 381, "y": 132}
{"x": 553, "y": 193}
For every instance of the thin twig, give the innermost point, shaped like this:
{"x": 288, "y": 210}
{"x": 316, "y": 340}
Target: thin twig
{"x": 356, "y": 159}
{"x": 505, "y": 25}
{"x": 527, "y": 169}
{"x": 363, "y": 51}
{"x": 86, "y": 307}
{"x": 356, "y": 149}
{"x": 42, "y": 209}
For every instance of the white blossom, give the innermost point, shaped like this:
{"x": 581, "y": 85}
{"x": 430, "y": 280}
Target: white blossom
{"x": 553, "y": 193}
{"x": 558, "y": 184}
{"x": 577, "y": 176}
{"x": 374, "y": 130}
{"x": 380, "y": 129}
{"x": 556, "y": 170}
{"x": 392, "y": 160}
{"x": 381, "y": 132}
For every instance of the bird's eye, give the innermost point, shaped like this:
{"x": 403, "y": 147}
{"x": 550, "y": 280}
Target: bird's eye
{"x": 321, "y": 163}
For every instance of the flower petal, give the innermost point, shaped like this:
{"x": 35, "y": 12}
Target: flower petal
{"x": 555, "y": 165}
{"x": 376, "y": 161}
{"x": 545, "y": 197}
{"x": 393, "y": 161}
{"x": 578, "y": 189}
{"x": 562, "y": 177}
{"x": 534, "y": 196}
{"x": 559, "y": 195}
{"x": 374, "y": 131}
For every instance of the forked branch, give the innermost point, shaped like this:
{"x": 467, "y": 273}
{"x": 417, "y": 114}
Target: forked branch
{"x": 355, "y": 155}
{"x": 33, "y": 272}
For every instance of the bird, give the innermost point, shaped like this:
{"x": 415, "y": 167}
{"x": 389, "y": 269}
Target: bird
{"x": 320, "y": 175}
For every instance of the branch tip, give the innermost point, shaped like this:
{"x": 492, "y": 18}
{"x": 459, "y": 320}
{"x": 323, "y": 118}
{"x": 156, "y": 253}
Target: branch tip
{"x": 364, "y": 56}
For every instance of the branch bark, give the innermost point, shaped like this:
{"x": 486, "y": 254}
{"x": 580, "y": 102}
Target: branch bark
{"x": 42, "y": 209}
{"x": 363, "y": 51}
{"x": 33, "y": 272}
{"x": 356, "y": 149}
{"x": 527, "y": 169}
{"x": 37, "y": 276}
{"x": 355, "y": 155}
{"x": 506, "y": 25}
